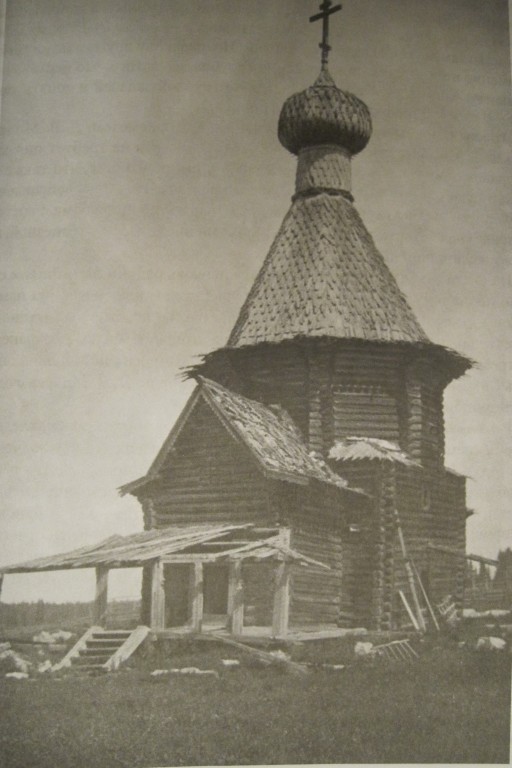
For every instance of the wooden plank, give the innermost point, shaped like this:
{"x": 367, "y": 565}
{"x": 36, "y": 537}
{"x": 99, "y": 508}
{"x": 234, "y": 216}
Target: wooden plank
{"x": 236, "y": 598}
{"x": 101, "y": 597}
{"x": 157, "y": 613}
{"x": 462, "y": 555}
{"x": 409, "y": 610}
{"x": 281, "y": 608}
{"x": 426, "y": 598}
{"x": 410, "y": 575}
{"x": 127, "y": 648}
{"x": 280, "y": 616}
{"x": 75, "y": 650}
{"x": 197, "y": 597}
{"x": 264, "y": 656}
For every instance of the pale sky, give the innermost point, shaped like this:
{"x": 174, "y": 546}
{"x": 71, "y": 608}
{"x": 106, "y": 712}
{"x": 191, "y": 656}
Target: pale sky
{"x": 141, "y": 185}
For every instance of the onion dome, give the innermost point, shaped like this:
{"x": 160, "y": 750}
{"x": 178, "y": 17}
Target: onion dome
{"x": 324, "y": 114}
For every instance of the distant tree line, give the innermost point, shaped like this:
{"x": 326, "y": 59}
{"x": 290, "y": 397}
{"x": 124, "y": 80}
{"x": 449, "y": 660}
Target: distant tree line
{"x": 38, "y": 613}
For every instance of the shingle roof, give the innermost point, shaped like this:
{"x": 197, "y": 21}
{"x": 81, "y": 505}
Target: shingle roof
{"x": 270, "y": 435}
{"x": 324, "y": 276}
{"x": 357, "y": 448}
{"x": 324, "y": 114}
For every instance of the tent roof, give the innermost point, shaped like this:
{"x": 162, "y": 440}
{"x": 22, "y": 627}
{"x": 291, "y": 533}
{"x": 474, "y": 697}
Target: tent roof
{"x": 324, "y": 276}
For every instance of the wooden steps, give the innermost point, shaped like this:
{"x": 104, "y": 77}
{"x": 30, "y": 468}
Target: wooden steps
{"x": 103, "y": 650}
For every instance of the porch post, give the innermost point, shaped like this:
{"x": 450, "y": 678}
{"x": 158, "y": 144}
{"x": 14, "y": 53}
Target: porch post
{"x": 196, "y": 590}
{"x": 157, "y": 614}
{"x": 281, "y": 611}
{"x": 281, "y": 600}
{"x": 235, "y": 598}
{"x": 101, "y": 598}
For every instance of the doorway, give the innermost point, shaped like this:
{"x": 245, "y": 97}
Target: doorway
{"x": 215, "y": 590}
{"x": 177, "y": 594}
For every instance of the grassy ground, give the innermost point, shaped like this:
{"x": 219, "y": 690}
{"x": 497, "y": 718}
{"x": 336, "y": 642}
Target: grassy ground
{"x": 452, "y": 705}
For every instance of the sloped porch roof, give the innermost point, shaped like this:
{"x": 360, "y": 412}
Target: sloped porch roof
{"x": 174, "y": 543}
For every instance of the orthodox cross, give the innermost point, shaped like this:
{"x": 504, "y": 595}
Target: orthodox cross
{"x": 325, "y": 12}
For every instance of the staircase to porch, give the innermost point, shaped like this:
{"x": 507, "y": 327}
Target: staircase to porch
{"x": 103, "y": 649}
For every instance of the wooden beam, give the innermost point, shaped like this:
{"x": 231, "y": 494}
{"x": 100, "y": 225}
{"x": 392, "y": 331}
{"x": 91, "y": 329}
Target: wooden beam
{"x": 426, "y": 598}
{"x": 462, "y": 555}
{"x": 101, "y": 598}
{"x": 409, "y": 611}
{"x": 281, "y": 611}
{"x": 196, "y": 595}
{"x": 410, "y": 575}
{"x": 235, "y": 598}
{"x": 280, "y": 615}
{"x": 264, "y": 656}
{"x": 157, "y": 613}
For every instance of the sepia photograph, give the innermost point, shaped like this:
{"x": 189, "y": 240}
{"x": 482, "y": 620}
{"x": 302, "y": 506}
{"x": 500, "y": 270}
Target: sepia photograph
{"x": 256, "y": 408}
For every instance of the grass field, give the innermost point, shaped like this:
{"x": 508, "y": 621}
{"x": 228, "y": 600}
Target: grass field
{"x": 452, "y": 705}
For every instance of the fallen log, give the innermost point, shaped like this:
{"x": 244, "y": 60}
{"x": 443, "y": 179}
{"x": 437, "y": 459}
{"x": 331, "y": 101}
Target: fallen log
{"x": 264, "y": 656}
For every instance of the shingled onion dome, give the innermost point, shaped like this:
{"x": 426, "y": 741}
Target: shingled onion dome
{"x": 324, "y": 126}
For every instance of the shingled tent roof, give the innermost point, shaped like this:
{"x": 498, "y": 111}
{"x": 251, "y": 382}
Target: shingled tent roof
{"x": 269, "y": 434}
{"x": 324, "y": 276}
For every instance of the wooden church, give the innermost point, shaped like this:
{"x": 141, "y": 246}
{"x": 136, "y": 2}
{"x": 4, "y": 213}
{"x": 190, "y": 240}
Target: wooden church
{"x": 323, "y": 413}
{"x": 274, "y": 501}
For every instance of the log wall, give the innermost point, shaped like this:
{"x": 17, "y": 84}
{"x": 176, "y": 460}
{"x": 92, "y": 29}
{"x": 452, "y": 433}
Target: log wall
{"x": 332, "y": 390}
{"x": 208, "y": 477}
{"x": 448, "y": 529}
{"x": 316, "y": 517}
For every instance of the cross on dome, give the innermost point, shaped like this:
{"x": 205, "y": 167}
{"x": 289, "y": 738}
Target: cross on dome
{"x": 325, "y": 12}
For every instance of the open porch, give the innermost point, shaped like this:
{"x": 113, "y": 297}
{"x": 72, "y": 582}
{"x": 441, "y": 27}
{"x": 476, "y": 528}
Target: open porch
{"x": 196, "y": 579}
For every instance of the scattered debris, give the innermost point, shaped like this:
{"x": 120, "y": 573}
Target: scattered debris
{"x": 49, "y": 638}
{"x": 470, "y": 613}
{"x": 194, "y": 671}
{"x": 230, "y": 663}
{"x": 490, "y": 644}
{"x": 20, "y": 664}
{"x": 280, "y": 655}
{"x": 363, "y": 649}
{"x": 397, "y": 650}
{"x": 448, "y": 611}
{"x": 265, "y": 657}
{"x": 158, "y": 672}
{"x": 4, "y": 647}
{"x": 335, "y": 667}
{"x": 17, "y": 675}
{"x": 45, "y": 666}
{"x": 494, "y": 613}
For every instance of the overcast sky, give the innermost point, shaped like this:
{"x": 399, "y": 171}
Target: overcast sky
{"x": 141, "y": 184}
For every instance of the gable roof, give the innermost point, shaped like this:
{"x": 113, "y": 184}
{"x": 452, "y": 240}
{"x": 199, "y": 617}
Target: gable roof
{"x": 324, "y": 276}
{"x": 269, "y": 434}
